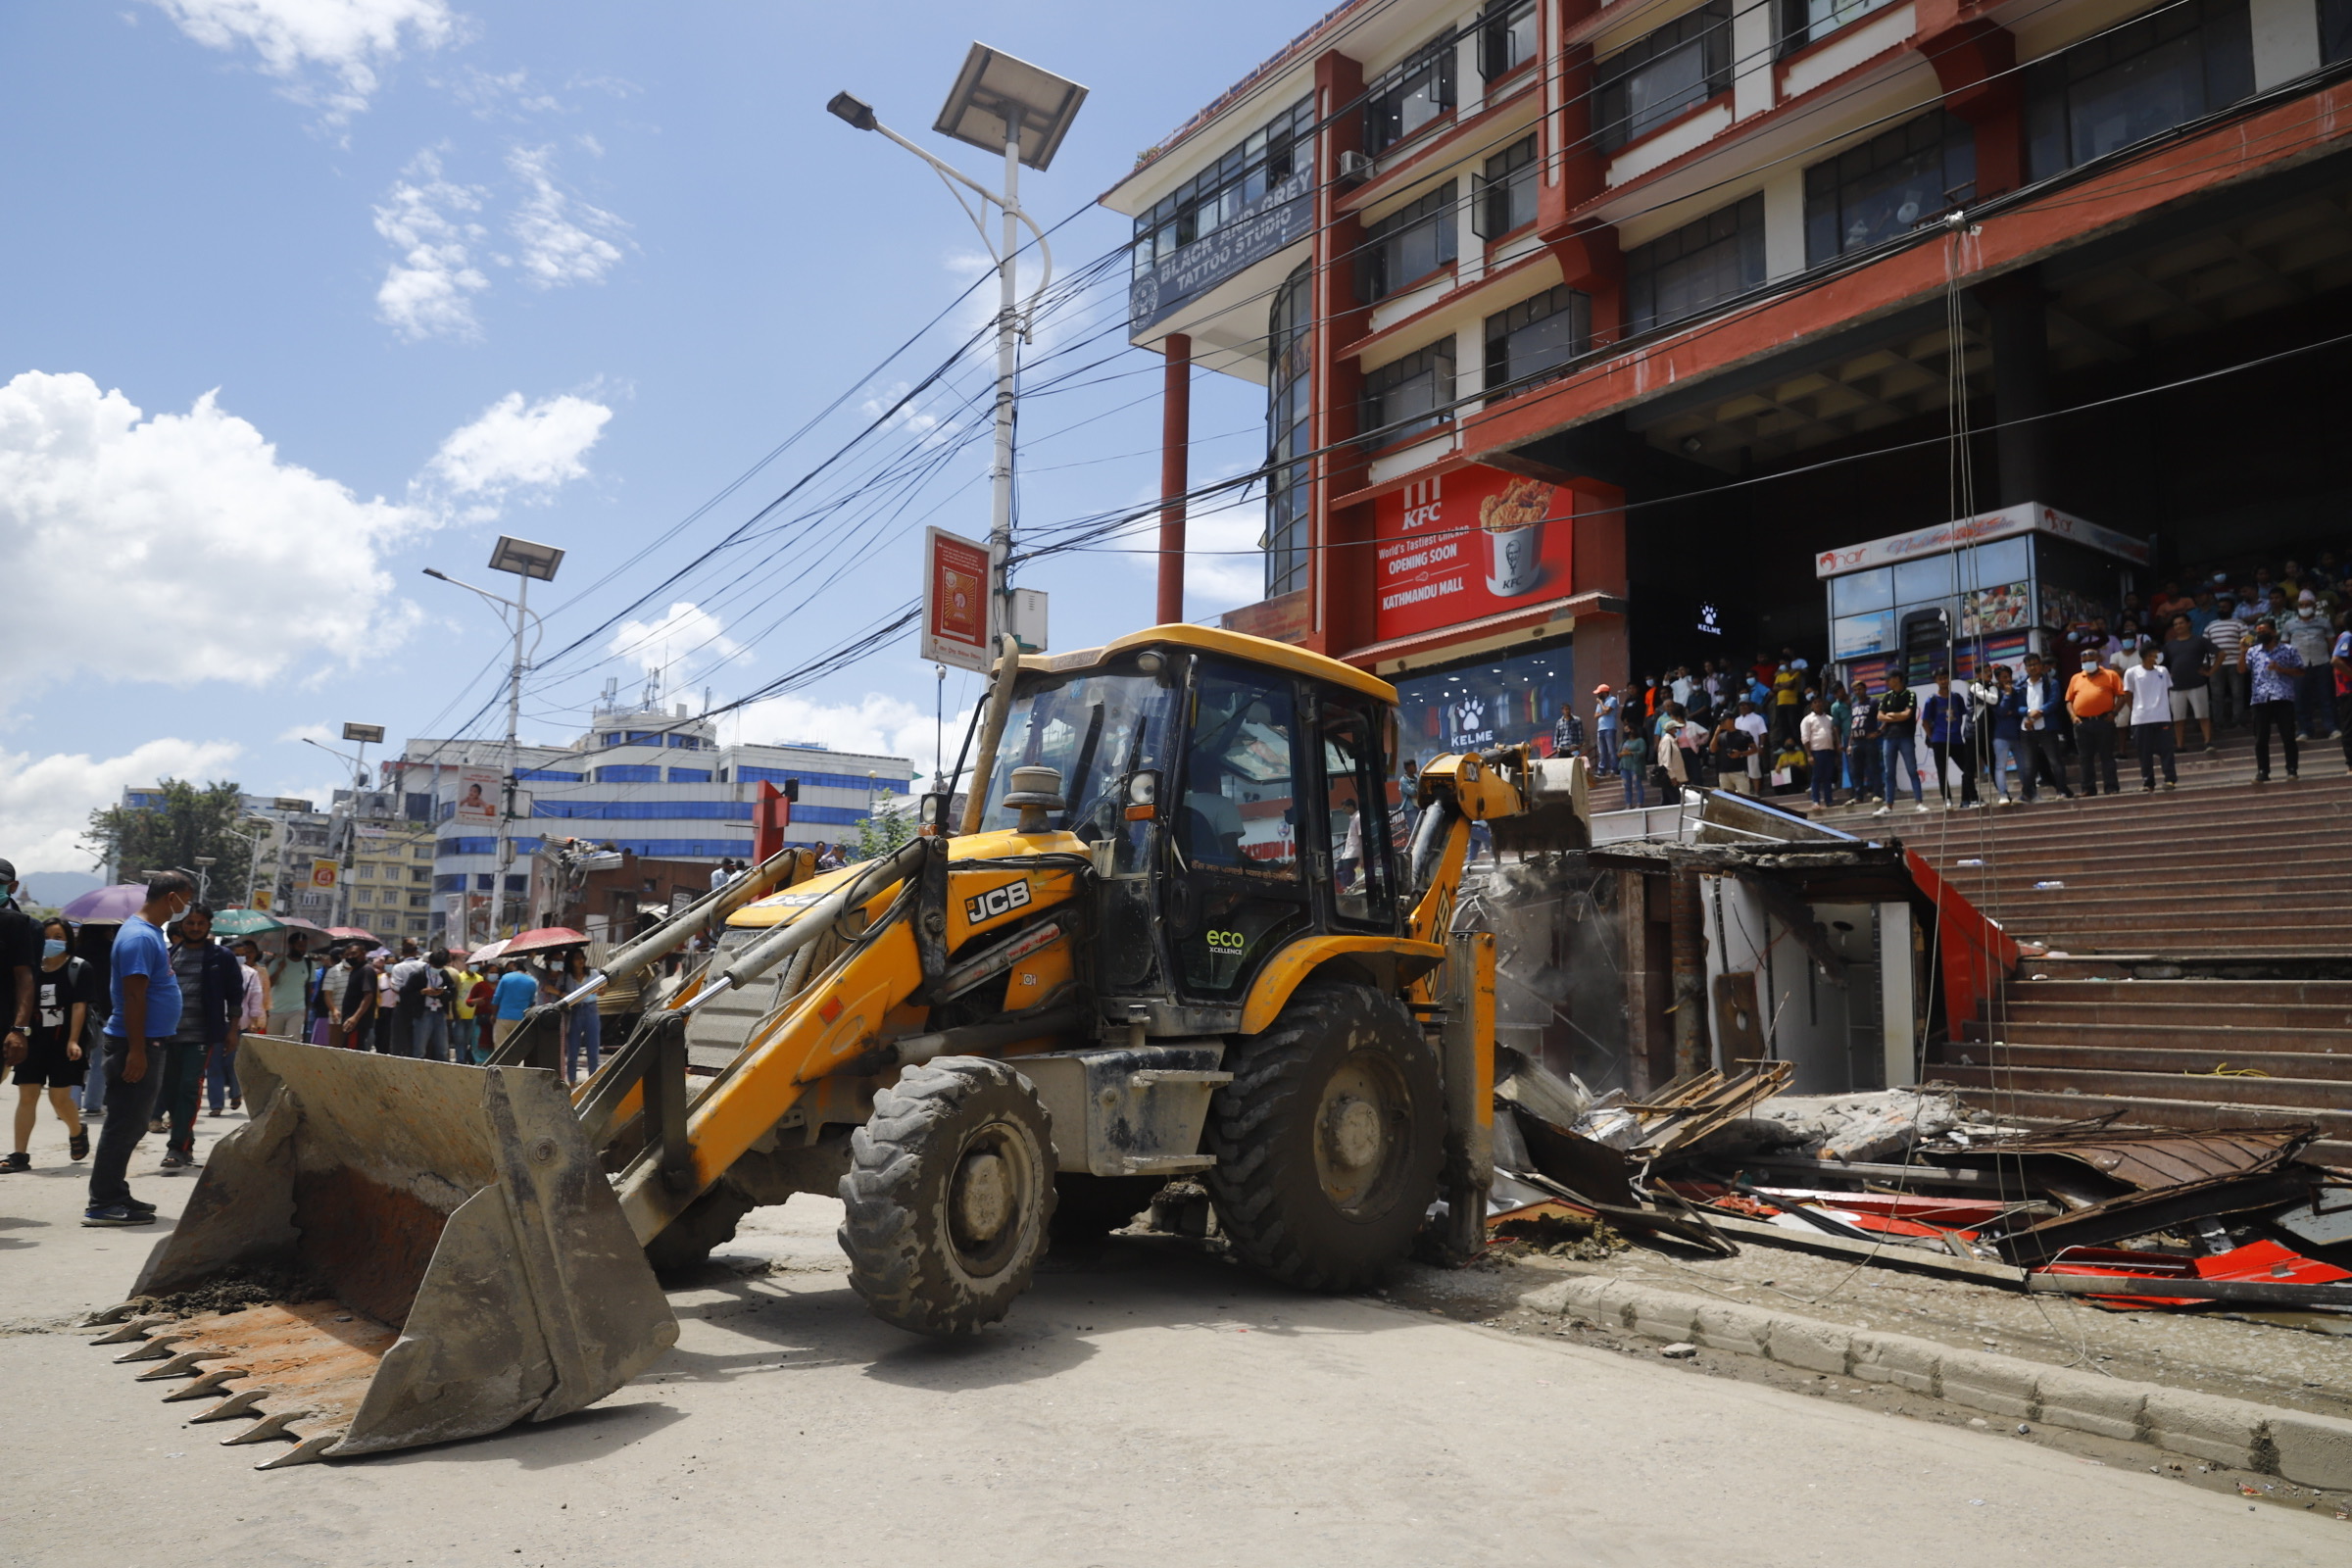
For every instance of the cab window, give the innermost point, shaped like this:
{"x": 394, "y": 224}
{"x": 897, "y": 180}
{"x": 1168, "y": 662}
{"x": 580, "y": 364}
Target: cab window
{"x": 1239, "y": 811}
{"x": 1355, "y": 811}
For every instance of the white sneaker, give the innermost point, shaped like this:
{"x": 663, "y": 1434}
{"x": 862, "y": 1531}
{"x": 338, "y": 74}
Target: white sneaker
{"x": 2000, "y": 799}
{"x": 1921, "y": 807}
{"x": 1884, "y": 809}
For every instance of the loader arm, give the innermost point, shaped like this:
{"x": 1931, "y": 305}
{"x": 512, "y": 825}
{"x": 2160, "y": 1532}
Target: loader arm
{"x": 1535, "y": 803}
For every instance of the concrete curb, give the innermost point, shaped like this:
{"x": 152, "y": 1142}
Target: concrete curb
{"x": 2313, "y": 1450}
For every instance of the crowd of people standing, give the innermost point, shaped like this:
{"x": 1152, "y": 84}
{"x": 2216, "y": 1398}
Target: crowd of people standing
{"x": 2271, "y": 653}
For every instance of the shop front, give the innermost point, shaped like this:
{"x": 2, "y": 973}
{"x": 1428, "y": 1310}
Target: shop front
{"x": 1979, "y": 591}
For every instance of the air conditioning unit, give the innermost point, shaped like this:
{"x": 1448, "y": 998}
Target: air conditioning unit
{"x": 1355, "y": 168}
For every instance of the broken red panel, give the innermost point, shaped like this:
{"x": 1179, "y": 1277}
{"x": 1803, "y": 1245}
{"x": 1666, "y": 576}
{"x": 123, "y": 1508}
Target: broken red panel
{"x": 2264, "y": 1261}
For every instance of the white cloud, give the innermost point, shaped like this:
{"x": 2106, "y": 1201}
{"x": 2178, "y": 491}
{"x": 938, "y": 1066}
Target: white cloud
{"x": 515, "y": 446}
{"x": 686, "y": 639}
{"x": 875, "y": 724}
{"x": 564, "y": 240}
{"x": 1225, "y": 564}
{"x": 428, "y": 291}
{"x": 346, "y": 41}
{"x": 45, "y": 803}
{"x": 179, "y": 548}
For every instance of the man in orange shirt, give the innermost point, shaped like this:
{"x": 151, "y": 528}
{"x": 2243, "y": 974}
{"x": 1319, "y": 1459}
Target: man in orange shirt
{"x": 2091, "y": 697}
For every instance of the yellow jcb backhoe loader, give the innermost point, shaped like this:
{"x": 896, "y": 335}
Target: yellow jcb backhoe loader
{"x": 1174, "y": 936}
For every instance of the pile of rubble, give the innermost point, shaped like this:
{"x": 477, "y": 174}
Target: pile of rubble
{"x": 2127, "y": 1217}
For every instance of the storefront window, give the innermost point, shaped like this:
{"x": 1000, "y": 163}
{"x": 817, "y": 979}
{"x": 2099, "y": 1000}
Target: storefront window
{"x": 1928, "y": 577}
{"x": 1477, "y": 707}
{"x": 1858, "y": 591}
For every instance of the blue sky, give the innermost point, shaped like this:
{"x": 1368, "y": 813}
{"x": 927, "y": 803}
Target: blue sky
{"x": 307, "y": 295}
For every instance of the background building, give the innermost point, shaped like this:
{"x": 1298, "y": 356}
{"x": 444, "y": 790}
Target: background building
{"x": 1590, "y": 330}
{"x": 652, "y": 782}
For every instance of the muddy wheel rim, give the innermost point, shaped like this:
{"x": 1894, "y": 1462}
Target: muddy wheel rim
{"x": 1361, "y": 1126}
{"x": 992, "y": 1193}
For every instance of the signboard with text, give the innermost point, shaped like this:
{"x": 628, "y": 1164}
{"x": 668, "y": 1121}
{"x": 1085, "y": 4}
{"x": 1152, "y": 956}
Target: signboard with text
{"x": 1467, "y": 544}
{"x": 1283, "y": 215}
{"x": 325, "y": 874}
{"x": 956, "y": 602}
{"x": 2026, "y": 517}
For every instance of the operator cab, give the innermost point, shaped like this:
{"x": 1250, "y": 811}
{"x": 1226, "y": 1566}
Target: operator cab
{"x": 1240, "y": 796}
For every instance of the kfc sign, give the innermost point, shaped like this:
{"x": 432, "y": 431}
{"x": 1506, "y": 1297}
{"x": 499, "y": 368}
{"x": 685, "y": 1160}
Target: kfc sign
{"x": 1466, "y": 544}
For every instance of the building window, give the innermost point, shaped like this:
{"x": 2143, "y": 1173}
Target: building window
{"x": 1804, "y": 22}
{"x": 1697, "y": 266}
{"x": 1406, "y": 397}
{"x": 1507, "y": 37}
{"x": 1407, "y": 245}
{"x": 690, "y": 776}
{"x": 2173, "y": 65}
{"x": 421, "y": 901}
{"x": 2336, "y": 31}
{"x": 1535, "y": 335}
{"x": 363, "y": 896}
{"x": 1505, "y": 196}
{"x": 365, "y": 874}
{"x": 481, "y": 881}
{"x": 628, "y": 773}
{"x": 1888, "y": 185}
{"x": 1410, "y": 96}
{"x": 1217, "y": 196}
{"x": 1649, "y": 82}
{"x": 1289, "y": 477}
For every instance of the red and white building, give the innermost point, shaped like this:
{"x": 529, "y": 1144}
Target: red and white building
{"x": 1590, "y": 330}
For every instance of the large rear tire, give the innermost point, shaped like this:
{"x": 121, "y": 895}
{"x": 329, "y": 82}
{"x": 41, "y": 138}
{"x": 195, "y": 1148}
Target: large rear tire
{"x": 1329, "y": 1140}
{"x": 949, "y": 1196}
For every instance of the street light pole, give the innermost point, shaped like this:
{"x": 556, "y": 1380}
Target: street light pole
{"x": 526, "y": 561}
{"x": 998, "y": 102}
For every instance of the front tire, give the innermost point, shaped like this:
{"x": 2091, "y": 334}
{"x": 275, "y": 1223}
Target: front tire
{"x": 1329, "y": 1140}
{"x": 949, "y": 1196}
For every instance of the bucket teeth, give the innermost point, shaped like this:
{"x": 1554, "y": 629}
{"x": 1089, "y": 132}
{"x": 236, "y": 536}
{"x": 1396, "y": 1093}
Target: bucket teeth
{"x": 134, "y": 1329}
{"x": 273, "y": 1425}
{"x": 303, "y": 1452}
{"x": 180, "y": 1365}
{"x": 206, "y": 1386}
{"x": 155, "y": 1349}
{"x": 112, "y": 1314}
{"x": 236, "y": 1404}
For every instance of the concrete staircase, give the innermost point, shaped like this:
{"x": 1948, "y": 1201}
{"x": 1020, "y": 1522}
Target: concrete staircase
{"x": 2199, "y": 964}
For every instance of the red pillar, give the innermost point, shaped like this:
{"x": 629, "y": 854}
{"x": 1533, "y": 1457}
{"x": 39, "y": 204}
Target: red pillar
{"x": 1175, "y": 439}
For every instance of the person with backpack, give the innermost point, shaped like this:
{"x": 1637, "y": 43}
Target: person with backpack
{"x": 56, "y": 1058}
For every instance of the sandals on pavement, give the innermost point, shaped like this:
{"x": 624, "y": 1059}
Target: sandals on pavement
{"x": 13, "y": 1163}
{"x": 78, "y": 1146}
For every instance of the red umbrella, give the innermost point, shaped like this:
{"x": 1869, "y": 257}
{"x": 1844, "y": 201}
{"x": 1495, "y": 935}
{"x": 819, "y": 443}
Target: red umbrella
{"x": 546, "y": 937}
{"x": 345, "y": 933}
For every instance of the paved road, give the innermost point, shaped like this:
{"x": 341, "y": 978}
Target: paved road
{"x": 1157, "y": 1407}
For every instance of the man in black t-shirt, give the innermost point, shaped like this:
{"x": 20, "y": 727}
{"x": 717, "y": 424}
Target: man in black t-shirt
{"x": 65, "y": 989}
{"x": 19, "y": 952}
{"x": 1898, "y": 724}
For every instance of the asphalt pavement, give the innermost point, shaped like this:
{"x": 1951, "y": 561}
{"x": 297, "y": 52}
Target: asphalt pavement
{"x": 1152, "y": 1405}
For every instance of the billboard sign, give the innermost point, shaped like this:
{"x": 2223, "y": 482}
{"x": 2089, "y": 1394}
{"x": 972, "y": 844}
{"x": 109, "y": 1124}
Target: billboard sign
{"x": 1467, "y": 544}
{"x": 325, "y": 874}
{"x": 956, "y": 609}
{"x": 1283, "y": 215}
{"x": 477, "y": 795}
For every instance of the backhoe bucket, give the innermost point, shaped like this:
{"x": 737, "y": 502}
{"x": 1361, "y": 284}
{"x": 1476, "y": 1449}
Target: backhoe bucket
{"x": 394, "y": 1252}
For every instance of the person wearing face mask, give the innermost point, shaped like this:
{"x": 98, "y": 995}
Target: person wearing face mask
{"x": 2271, "y": 668}
{"x": 146, "y": 1007}
{"x": 19, "y": 952}
{"x": 55, "y": 1062}
{"x": 2092, "y": 697}
{"x": 2308, "y": 632}
{"x": 212, "y": 990}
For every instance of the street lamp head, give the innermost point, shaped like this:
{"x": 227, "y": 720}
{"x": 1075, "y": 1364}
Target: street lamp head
{"x": 435, "y": 572}
{"x": 526, "y": 559}
{"x": 997, "y": 93}
{"x": 857, "y": 111}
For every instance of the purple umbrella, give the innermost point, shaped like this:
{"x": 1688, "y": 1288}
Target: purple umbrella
{"x": 107, "y": 906}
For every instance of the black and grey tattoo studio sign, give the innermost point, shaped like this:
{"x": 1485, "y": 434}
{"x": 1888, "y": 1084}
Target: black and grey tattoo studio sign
{"x": 1282, "y": 217}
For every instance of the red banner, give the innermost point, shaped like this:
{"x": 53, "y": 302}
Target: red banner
{"x": 1467, "y": 544}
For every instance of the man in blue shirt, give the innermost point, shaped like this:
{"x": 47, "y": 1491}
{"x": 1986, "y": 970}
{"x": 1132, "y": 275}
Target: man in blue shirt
{"x": 513, "y": 996}
{"x": 147, "y": 1006}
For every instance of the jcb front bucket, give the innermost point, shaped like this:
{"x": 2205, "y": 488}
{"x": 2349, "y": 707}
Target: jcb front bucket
{"x": 448, "y": 1255}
